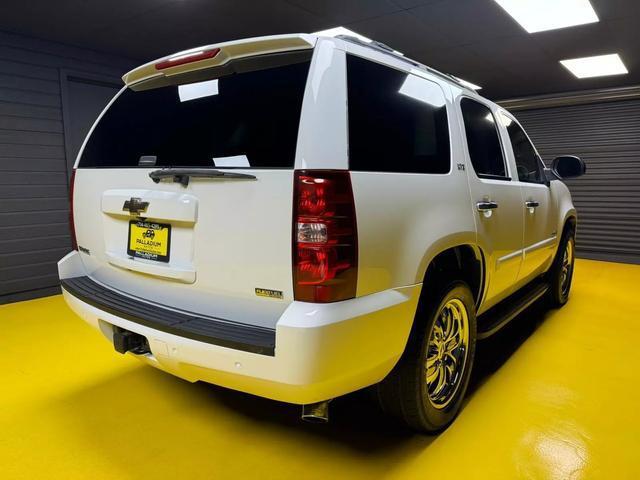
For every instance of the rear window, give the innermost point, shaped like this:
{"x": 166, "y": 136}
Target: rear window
{"x": 397, "y": 121}
{"x": 241, "y": 120}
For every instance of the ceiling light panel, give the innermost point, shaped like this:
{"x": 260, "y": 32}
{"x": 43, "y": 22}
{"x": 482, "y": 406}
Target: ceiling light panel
{"x": 598, "y": 66}
{"x": 541, "y": 15}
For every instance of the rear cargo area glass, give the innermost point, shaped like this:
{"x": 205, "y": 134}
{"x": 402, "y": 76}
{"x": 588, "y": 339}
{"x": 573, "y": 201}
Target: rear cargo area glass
{"x": 246, "y": 120}
{"x": 397, "y": 121}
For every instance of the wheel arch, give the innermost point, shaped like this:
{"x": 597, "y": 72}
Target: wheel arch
{"x": 464, "y": 261}
{"x": 570, "y": 221}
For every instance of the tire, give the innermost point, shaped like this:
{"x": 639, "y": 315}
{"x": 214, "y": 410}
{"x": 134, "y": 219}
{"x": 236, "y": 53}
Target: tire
{"x": 406, "y": 392}
{"x": 560, "y": 274}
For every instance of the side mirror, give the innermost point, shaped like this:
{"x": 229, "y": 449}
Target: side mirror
{"x": 568, "y": 166}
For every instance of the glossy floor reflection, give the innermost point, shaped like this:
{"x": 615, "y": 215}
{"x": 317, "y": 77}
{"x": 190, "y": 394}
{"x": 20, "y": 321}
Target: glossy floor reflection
{"x": 555, "y": 395}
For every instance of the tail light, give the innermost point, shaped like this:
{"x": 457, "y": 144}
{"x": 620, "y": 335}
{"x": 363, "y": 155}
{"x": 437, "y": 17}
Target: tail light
{"x": 325, "y": 237}
{"x": 72, "y": 226}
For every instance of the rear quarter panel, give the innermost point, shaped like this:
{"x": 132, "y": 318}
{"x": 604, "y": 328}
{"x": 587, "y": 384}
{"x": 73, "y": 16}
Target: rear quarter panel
{"x": 405, "y": 220}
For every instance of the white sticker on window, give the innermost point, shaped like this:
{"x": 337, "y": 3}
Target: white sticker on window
{"x": 233, "y": 161}
{"x": 192, "y": 91}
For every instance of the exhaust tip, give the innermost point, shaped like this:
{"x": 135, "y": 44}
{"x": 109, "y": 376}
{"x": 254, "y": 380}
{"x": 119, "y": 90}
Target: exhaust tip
{"x": 316, "y": 412}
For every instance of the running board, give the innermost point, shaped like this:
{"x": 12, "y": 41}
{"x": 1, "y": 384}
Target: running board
{"x": 499, "y": 315}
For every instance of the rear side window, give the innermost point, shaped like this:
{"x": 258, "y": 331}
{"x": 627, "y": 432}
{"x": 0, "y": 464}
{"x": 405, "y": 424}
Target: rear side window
{"x": 397, "y": 121}
{"x": 241, "y": 120}
{"x": 527, "y": 163}
{"x": 484, "y": 145}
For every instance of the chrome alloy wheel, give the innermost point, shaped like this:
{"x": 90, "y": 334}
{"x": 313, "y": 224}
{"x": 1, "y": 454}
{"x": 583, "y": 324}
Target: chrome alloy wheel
{"x": 447, "y": 353}
{"x": 565, "y": 269}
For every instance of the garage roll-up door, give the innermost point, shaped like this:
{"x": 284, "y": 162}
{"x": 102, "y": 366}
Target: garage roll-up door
{"x": 607, "y": 137}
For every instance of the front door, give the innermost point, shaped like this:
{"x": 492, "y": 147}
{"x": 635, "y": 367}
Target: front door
{"x": 540, "y": 223}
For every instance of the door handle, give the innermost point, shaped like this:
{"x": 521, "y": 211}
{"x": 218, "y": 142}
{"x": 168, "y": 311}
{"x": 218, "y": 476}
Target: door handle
{"x": 486, "y": 207}
{"x": 531, "y": 205}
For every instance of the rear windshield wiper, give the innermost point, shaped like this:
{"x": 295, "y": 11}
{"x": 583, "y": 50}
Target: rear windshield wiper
{"x": 182, "y": 175}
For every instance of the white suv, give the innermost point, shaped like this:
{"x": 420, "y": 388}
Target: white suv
{"x": 300, "y": 217}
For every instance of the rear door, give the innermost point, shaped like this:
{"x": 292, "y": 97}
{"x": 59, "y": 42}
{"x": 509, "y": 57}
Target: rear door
{"x": 216, "y": 240}
{"x": 538, "y": 206}
{"x": 496, "y": 200}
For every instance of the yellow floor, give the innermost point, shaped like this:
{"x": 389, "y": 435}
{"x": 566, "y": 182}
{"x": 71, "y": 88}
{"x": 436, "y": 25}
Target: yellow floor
{"x": 556, "y": 395}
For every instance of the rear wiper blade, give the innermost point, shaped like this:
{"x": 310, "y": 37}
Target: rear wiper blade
{"x": 182, "y": 175}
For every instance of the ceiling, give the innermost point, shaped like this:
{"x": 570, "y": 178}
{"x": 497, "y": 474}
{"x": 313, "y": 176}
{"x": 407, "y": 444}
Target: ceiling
{"x": 473, "y": 39}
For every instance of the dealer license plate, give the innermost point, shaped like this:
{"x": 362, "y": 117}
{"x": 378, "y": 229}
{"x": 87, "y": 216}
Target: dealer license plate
{"x": 149, "y": 240}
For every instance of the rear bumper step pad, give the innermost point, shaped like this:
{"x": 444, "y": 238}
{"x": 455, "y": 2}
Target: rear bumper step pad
{"x": 248, "y": 338}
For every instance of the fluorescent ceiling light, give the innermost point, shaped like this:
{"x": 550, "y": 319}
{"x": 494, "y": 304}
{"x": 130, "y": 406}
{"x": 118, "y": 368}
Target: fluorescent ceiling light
{"x": 334, "y": 32}
{"x": 470, "y": 85}
{"x": 598, "y": 66}
{"x": 541, "y": 15}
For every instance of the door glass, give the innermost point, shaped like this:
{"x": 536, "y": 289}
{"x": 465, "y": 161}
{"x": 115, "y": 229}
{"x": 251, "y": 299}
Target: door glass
{"x": 484, "y": 145}
{"x": 397, "y": 123}
{"x": 527, "y": 163}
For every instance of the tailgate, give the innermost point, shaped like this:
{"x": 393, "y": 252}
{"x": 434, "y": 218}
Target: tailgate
{"x": 217, "y": 243}
{"x": 225, "y": 239}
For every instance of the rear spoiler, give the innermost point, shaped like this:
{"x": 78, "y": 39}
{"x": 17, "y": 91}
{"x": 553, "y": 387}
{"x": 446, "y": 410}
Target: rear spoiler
{"x": 216, "y": 55}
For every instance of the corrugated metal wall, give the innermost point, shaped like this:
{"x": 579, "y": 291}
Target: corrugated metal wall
{"x": 34, "y": 231}
{"x": 607, "y": 137}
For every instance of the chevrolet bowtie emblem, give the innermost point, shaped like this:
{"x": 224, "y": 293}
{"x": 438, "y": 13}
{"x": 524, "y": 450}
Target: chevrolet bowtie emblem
{"x": 135, "y": 206}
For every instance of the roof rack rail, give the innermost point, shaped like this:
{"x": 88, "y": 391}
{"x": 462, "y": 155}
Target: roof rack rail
{"x": 384, "y": 48}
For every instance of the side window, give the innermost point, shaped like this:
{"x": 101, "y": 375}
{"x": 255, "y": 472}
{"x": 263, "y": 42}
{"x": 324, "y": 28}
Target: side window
{"x": 397, "y": 121}
{"x": 484, "y": 145}
{"x": 527, "y": 163}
